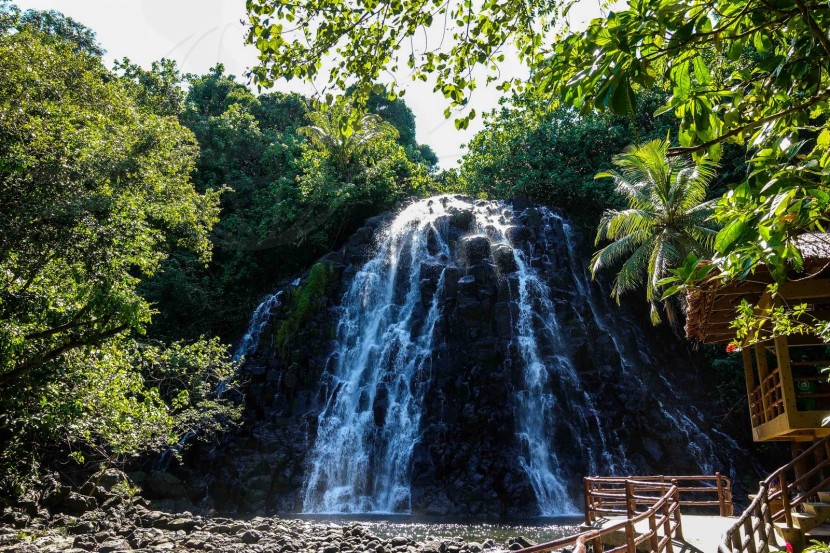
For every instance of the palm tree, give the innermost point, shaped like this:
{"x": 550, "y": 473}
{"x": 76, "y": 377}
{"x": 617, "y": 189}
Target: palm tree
{"x": 342, "y": 135}
{"x": 667, "y": 218}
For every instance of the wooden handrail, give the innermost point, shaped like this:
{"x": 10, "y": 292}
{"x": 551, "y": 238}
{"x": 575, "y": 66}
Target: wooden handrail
{"x": 753, "y": 530}
{"x": 606, "y": 495}
{"x": 662, "y": 513}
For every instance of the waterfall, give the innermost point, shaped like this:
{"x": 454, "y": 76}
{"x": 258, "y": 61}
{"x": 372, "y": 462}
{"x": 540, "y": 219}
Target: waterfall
{"x": 392, "y": 319}
{"x": 369, "y": 425}
{"x": 257, "y": 323}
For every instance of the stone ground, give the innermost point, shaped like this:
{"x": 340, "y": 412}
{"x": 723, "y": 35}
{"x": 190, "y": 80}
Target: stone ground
{"x": 134, "y": 527}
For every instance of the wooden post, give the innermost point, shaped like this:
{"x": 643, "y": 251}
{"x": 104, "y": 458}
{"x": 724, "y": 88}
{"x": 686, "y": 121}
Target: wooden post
{"x": 586, "y": 490}
{"x": 782, "y": 354}
{"x": 750, "y": 543}
{"x": 749, "y": 378}
{"x": 721, "y": 502}
{"x": 630, "y": 502}
{"x": 785, "y": 497}
{"x": 676, "y": 497}
{"x": 763, "y": 372}
{"x": 631, "y": 546}
{"x": 667, "y": 527}
{"x": 652, "y": 526}
{"x": 767, "y": 516}
{"x": 597, "y": 545}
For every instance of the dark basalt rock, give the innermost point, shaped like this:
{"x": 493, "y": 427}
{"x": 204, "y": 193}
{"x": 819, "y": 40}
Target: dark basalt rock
{"x": 466, "y": 462}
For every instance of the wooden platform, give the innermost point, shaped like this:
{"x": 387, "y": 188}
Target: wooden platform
{"x": 701, "y": 534}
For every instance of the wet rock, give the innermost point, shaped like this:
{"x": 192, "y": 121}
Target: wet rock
{"x": 504, "y": 259}
{"x": 77, "y": 503}
{"x": 473, "y": 250}
{"x": 165, "y": 485}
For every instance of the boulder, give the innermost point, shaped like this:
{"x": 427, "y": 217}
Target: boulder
{"x": 76, "y": 503}
{"x": 504, "y": 259}
{"x": 166, "y": 486}
{"x": 473, "y": 250}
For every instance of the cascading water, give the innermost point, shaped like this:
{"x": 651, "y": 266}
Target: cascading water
{"x": 360, "y": 463}
{"x": 393, "y": 318}
{"x": 259, "y": 319}
{"x": 369, "y": 425}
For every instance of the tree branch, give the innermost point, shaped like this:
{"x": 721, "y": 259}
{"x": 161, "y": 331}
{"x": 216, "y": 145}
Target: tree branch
{"x": 751, "y": 125}
{"x": 814, "y": 28}
{"x": 9, "y": 377}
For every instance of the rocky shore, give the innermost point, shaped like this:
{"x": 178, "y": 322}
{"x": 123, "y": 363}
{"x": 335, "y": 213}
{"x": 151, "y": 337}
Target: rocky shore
{"x": 137, "y": 528}
{"x": 106, "y": 516}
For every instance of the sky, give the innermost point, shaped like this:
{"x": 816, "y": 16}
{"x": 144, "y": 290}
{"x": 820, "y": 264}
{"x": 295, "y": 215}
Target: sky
{"x": 197, "y": 34}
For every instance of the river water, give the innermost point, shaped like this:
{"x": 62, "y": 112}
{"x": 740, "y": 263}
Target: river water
{"x": 424, "y": 529}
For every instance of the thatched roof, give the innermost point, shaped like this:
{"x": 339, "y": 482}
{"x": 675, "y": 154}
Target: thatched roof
{"x": 711, "y": 307}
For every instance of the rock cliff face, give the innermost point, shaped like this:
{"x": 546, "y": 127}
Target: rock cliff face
{"x": 519, "y": 373}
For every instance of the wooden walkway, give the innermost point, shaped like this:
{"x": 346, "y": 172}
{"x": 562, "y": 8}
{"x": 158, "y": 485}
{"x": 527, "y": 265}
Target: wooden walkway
{"x": 701, "y": 534}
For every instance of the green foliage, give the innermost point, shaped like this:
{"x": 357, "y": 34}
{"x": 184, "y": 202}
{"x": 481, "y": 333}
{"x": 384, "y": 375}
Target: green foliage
{"x": 343, "y": 133}
{"x": 748, "y": 72}
{"x": 94, "y": 193}
{"x": 286, "y": 201}
{"x": 303, "y": 302}
{"x": 666, "y": 220}
{"x": 158, "y": 89}
{"x": 551, "y": 156}
{"x": 817, "y": 547}
{"x": 362, "y": 42}
{"x": 113, "y": 403}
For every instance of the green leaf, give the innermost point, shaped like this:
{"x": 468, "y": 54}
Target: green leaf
{"x": 729, "y": 235}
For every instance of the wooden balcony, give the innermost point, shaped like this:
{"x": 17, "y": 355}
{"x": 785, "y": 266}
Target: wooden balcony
{"x": 786, "y": 405}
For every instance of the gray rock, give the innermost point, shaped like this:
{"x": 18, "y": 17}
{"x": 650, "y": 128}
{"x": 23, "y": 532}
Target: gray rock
{"x": 180, "y": 523}
{"x": 77, "y": 503}
{"x": 166, "y": 485}
{"x": 250, "y": 536}
{"x": 114, "y": 546}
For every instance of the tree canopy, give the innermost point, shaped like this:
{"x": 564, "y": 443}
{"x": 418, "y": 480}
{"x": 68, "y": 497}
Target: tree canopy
{"x": 667, "y": 219}
{"x": 96, "y": 192}
{"x": 748, "y": 72}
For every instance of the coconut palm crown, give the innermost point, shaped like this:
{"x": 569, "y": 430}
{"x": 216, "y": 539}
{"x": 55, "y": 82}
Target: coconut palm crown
{"x": 667, "y": 218}
{"x": 343, "y": 133}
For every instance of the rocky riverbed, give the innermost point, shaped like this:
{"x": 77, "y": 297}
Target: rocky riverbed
{"x": 107, "y": 516}
{"x": 134, "y": 527}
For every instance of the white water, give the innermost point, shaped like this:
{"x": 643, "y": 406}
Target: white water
{"x": 259, "y": 319}
{"x": 359, "y": 464}
{"x": 369, "y": 425}
{"x": 381, "y": 367}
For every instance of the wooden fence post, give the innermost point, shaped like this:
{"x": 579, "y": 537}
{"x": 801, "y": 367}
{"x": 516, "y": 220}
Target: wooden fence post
{"x": 631, "y": 546}
{"x": 630, "y": 502}
{"x": 721, "y": 502}
{"x": 652, "y": 526}
{"x": 785, "y": 497}
{"x": 586, "y": 488}
{"x": 676, "y": 497}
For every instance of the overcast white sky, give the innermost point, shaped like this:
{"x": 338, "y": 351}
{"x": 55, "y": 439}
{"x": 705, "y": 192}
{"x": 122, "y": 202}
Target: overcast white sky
{"x": 200, "y": 33}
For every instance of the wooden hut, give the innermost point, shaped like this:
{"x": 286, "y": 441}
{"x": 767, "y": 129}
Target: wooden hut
{"x": 786, "y": 379}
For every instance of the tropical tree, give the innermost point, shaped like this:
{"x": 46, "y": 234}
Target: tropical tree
{"x": 343, "y": 133}
{"x": 746, "y": 72}
{"x": 667, "y": 218}
{"x": 96, "y": 192}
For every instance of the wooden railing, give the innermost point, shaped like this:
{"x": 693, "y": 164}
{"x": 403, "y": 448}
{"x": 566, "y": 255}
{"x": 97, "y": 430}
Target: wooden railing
{"x": 662, "y": 518}
{"x": 778, "y": 498}
{"x": 605, "y": 495}
{"x": 767, "y": 400}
